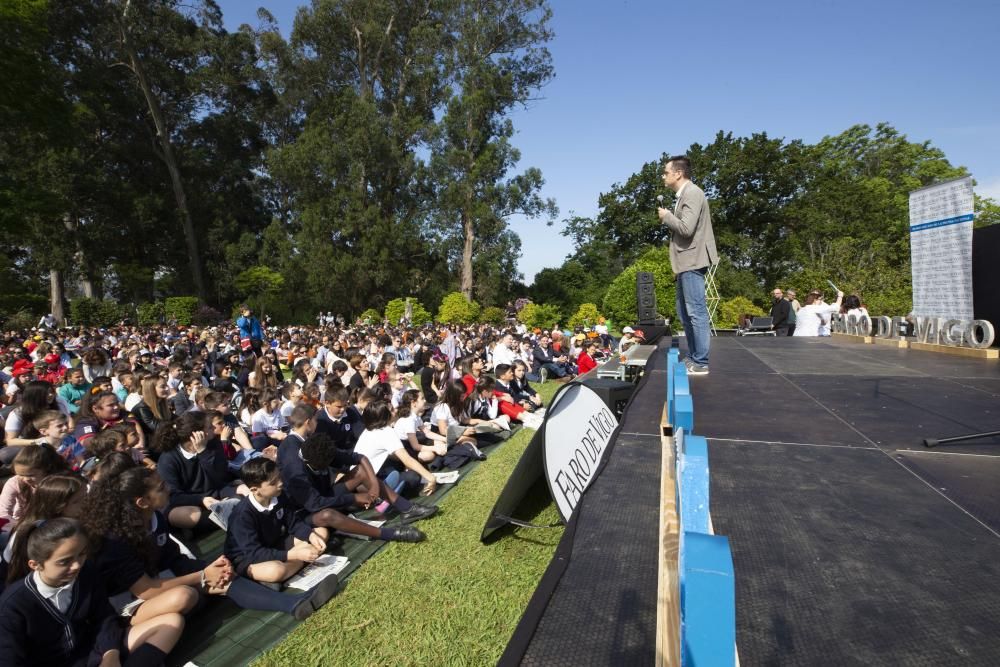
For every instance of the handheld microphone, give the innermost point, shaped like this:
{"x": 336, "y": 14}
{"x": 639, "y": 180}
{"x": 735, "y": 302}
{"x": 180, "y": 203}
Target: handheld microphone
{"x": 659, "y": 202}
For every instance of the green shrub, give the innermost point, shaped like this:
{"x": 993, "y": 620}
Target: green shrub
{"x": 97, "y": 313}
{"x": 22, "y": 319}
{"x": 150, "y": 314}
{"x": 31, "y": 304}
{"x": 619, "y": 301}
{"x": 395, "y": 309}
{"x": 730, "y": 311}
{"x": 585, "y": 316}
{"x": 370, "y": 316}
{"x": 456, "y": 309}
{"x": 493, "y": 315}
{"x": 262, "y": 285}
{"x": 540, "y": 315}
{"x": 181, "y": 309}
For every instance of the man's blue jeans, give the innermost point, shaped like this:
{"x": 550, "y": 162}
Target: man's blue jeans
{"x": 693, "y": 311}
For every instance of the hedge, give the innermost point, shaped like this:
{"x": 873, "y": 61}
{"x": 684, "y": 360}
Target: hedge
{"x": 456, "y": 309}
{"x": 395, "y": 309}
{"x": 97, "y": 313}
{"x": 181, "y": 309}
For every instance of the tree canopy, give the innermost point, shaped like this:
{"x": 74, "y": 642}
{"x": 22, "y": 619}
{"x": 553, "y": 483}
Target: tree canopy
{"x": 147, "y": 152}
{"x": 785, "y": 213}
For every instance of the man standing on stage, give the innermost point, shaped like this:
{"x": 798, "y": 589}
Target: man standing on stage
{"x": 793, "y": 309}
{"x": 692, "y": 252}
{"x": 780, "y": 309}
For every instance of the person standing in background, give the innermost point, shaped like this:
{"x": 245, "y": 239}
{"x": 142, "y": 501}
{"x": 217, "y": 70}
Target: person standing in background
{"x": 250, "y": 329}
{"x": 793, "y": 311}
{"x": 780, "y": 310}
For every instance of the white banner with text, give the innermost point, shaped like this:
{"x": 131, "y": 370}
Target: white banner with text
{"x": 941, "y": 219}
{"x": 578, "y": 430}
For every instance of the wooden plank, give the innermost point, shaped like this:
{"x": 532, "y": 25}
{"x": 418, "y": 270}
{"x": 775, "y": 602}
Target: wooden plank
{"x": 666, "y": 429}
{"x": 668, "y": 608}
{"x": 901, "y": 343}
{"x": 851, "y": 338}
{"x": 988, "y": 353}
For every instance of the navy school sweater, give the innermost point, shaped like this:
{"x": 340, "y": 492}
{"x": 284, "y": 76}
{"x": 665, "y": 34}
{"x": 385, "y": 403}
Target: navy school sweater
{"x": 34, "y": 632}
{"x": 308, "y": 489}
{"x": 191, "y": 480}
{"x": 257, "y": 537}
{"x": 121, "y": 565}
{"x": 345, "y": 431}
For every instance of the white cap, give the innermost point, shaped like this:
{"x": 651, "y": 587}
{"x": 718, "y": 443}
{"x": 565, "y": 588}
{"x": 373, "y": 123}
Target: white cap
{"x": 628, "y": 330}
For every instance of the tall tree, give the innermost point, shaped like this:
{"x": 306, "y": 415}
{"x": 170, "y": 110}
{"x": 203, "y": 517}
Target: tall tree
{"x": 365, "y": 77}
{"x": 498, "y": 60}
{"x": 130, "y": 20}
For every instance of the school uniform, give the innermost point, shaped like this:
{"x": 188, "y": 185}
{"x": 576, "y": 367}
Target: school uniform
{"x": 263, "y": 422}
{"x": 345, "y": 431}
{"x": 121, "y": 565}
{"x": 193, "y": 477}
{"x": 521, "y": 390}
{"x": 69, "y": 626}
{"x": 309, "y": 489}
{"x": 258, "y": 534}
{"x": 512, "y": 410}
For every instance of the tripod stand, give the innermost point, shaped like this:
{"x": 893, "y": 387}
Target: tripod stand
{"x": 931, "y": 442}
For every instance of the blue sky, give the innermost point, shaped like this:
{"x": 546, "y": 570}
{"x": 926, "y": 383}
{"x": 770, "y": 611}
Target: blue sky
{"x": 636, "y": 78}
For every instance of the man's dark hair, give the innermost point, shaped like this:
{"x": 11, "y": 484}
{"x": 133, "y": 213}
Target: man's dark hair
{"x": 682, "y": 164}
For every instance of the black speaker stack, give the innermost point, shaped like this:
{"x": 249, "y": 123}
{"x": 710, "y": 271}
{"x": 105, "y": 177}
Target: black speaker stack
{"x": 645, "y": 295}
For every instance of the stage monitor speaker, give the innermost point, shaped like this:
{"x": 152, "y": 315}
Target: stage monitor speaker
{"x": 645, "y": 295}
{"x": 614, "y": 393}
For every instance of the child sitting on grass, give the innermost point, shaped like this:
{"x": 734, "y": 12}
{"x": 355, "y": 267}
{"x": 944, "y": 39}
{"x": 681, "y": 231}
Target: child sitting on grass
{"x": 54, "y": 429}
{"x": 57, "y": 611}
{"x": 266, "y": 424}
{"x": 194, "y": 466}
{"x": 266, "y": 539}
{"x": 74, "y": 389}
{"x": 305, "y": 458}
{"x": 417, "y": 437}
{"x": 32, "y": 464}
{"x": 450, "y": 416}
{"x": 339, "y": 419}
{"x": 391, "y": 461}
{"x": 521, "y": 390}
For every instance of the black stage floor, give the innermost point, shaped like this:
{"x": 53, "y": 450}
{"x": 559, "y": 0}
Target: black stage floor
{"x": 852, "y": 543}
{"x": 596, "y": 604}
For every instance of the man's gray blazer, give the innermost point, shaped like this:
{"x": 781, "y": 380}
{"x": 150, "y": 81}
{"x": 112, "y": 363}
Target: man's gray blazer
{"x": 692, "y": 244}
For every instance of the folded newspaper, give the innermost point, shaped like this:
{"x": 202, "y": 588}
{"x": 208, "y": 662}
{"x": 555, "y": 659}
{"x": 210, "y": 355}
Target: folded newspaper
{"x": 222, "y": 510}
{"x": 317, "y": 571}
{"x": 449, "y": 477}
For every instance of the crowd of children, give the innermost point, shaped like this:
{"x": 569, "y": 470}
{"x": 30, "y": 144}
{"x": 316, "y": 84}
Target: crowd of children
{"x": 118, "y": 443}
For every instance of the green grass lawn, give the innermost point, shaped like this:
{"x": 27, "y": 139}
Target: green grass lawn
{"x": 450, "y": 600}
